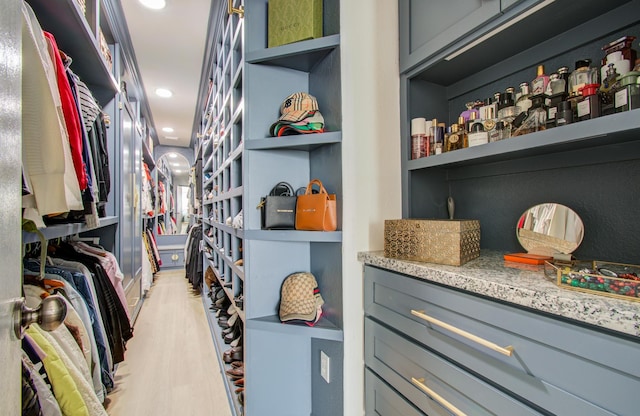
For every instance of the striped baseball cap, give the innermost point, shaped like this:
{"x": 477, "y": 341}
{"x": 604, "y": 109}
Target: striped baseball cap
{"x": 297, "y": 107}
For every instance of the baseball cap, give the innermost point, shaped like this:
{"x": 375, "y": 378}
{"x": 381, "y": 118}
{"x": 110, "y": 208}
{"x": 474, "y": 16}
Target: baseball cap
{"x": 297, "y": 107}
{"x": 313, "y": 123}
{"x": 300, "y": 299}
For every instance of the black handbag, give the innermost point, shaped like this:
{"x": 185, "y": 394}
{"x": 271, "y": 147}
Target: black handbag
{"x": 278, "y": 209}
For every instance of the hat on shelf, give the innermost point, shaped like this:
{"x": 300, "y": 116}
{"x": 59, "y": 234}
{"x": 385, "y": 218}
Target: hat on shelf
{"x": 299, "y": 114}
{"x": 300, "y": 299}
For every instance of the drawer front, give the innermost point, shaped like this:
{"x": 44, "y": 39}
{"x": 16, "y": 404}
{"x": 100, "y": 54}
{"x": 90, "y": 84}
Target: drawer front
{"x": 560, "y": 367}
{"x": 432, "y": 383}
{"x": 172, "y": 258}
{"x": 383, "y": 400}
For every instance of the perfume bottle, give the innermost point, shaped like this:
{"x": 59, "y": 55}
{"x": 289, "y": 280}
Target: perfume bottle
{"x": 524, "y": 101}
{"x": 539, "y": 83}
{"x": 477, "y": 134}
{"x": 428, "y": 140}
{"x": 432, "y": 136}
{"x": 462, "y": 131}
{"x": 537, "y": 118}
{"x": 610, "y": 83}
{"x": 418, "y": 138}
{"x": 564, "y": 114}
{"x": 438, "y": 139}
{"x": 454, "y": 139}
{"x": 507, "y": 110}
{"x": 497, "y": 133}
{"x": 583, "y": 75}
{"x": 589, "y": 106}
{"x": 466, "y": 114}
{"x": 627, "y": 95}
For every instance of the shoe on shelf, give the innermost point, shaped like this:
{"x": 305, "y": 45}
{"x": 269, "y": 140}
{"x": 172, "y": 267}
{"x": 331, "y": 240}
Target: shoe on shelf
{"x": 237, "y": 364}
{"x": 235, "y": 373}
{"x": 233, "y": 354}
{"x": 239, "y": 390}
{"x": 236, "y": 342}
{"x": 239, "y": 382}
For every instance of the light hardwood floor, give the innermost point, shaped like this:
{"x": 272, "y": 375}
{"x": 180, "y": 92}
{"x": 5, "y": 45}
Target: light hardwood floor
{"x": 170, "y": 366}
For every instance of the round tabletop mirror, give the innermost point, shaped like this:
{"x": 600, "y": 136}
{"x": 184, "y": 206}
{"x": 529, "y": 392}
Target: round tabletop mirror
{"x": 550, "y": 229}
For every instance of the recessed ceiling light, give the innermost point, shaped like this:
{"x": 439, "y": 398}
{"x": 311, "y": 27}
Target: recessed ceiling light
{"x": 175, "y": 164}
{"x": 173, "y": 155}
{"x": 153, "y": 4}
{"x": 171, "y": 137}
{"x": 167, "y": 129}
{"x": 177, "y": 171}
{"x": 163, "y": 92}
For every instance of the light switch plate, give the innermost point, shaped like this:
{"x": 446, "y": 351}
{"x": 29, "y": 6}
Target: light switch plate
{"x": 325, "y": 363}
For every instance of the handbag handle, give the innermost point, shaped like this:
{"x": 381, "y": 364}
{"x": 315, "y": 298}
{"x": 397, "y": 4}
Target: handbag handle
{"x": 309, "y": 190}
{"x": 286, "y": 185}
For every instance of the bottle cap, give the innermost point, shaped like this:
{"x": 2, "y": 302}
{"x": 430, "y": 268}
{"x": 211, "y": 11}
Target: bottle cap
{"x": 540, "y": 70}
{"x": 563, "y": 70}
{"x": 589, "y": 89}
{"x": 460, "y": 120}
{"x": 582, "y": 63}
{"x": 418, "y": 126}
{"x": 500, "y": 125}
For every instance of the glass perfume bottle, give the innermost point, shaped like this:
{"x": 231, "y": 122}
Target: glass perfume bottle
{"x": 584, "y": 74}
{"x": 438, "y": 139}
{"x": 507, "y": 110}
{"x": 524, "y": 101}
{"x": 589, "y": 106}
{"x": 418, "y": 138}
{"x": 466, "y": 114}
{"x": 454, "y": 139}
{"x": 497, "y": 133}
{"x": 432, "y": 133}
{"x": 537, "y": 118}
{"x": 539, "y": 83}
{"x": 428, "y": 140}
{"x": 462, "y": 131}
{"x": 477, "y": 134}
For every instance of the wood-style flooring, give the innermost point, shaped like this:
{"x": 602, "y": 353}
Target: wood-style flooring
{"x": 170, "y": 366}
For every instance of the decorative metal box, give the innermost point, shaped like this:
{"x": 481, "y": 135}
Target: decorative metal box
{"x": 452, "y": 242}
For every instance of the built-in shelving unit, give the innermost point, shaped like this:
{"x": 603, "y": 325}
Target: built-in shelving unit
{"x": 241, "y": 164}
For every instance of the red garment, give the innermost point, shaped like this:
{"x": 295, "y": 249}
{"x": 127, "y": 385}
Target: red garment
{"x": 70, "y": 112}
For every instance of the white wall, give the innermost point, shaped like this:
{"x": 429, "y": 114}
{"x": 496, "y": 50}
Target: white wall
{"x": 370, "y": 160}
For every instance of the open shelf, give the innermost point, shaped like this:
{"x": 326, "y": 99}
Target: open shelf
{"x": 301, "y": 56}
{"x": 294, "y": 235}
{"x": 64, "y": 230}
{"x": 323, "y": 329}
{"x": 306, "y": 142}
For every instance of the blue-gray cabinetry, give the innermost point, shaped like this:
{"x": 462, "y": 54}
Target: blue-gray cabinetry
{"x": 489, "y": 357}
{"x": 496, "y": 182}
{"x": 241, "y": 162}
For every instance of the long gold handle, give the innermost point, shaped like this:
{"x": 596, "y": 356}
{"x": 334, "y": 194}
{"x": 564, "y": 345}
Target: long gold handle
{"x": 231, "y": 9}
{"x": 419, "y": 382}
{"x": 508, "y": 351}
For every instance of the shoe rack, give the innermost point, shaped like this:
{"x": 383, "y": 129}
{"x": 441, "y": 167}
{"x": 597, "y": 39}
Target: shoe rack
{"x": 281, "y": 362}
{"x": 221, "y": 147}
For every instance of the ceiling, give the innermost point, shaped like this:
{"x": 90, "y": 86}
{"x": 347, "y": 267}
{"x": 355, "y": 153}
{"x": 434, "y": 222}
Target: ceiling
{"x": 169, "y": 46}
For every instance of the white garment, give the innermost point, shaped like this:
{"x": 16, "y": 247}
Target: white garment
{"x": 46, "y": 154}
{"x": 48, "y": 403}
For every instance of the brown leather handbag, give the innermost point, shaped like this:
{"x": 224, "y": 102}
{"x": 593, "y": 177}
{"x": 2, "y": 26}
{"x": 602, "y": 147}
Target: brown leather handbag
{"x": 316, "y": 212}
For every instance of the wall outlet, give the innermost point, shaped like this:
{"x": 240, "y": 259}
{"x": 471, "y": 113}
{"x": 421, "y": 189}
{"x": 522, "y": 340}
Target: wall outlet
{"x": 325, "y": 364}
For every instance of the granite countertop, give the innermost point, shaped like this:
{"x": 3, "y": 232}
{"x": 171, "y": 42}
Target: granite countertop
{"x": 525, "y": 286}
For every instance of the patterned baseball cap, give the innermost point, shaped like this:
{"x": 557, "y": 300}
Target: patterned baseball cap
{"x": 300, "y": 299}
{"x": 297, "y": 107}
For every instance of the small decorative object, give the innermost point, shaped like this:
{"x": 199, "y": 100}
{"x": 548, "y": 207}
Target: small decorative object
{"x": 547, "y": 231}
{"x": 278, "y": 209}
{"x": 603, "y": 278}
{"x": 316, "y": 211}
{"x": 452, "y": 242}
{"x": 294, "y": 20}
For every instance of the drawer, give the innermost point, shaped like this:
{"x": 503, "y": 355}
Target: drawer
{"x": 383, "y": 400}
{"x": 171, "y": 258}
{"x": 412, "y": 369}
{"x": 561, "y": 367}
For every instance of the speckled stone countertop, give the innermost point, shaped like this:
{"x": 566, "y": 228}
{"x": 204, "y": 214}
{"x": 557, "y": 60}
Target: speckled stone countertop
{"x": 526, "y": 286}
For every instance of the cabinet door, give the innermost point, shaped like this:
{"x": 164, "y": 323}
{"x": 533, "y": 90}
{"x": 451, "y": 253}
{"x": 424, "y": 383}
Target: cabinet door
{"x": 428, "y": 26}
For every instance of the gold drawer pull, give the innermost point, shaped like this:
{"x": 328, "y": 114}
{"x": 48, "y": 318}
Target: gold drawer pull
{"x": 508, "y": 351}
{"x": 419, "y": 382}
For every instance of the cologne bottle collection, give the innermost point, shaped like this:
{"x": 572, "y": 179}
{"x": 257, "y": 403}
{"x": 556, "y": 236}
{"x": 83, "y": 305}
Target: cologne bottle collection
{"x": 563, "y": 97}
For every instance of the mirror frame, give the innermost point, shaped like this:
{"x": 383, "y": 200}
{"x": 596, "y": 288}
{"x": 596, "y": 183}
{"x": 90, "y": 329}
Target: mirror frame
{"x": 163, "y": 151}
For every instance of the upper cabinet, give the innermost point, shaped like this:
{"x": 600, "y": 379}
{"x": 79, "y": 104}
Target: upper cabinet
{"x": 570, "y": 164}
{"x": 428, "y": 26}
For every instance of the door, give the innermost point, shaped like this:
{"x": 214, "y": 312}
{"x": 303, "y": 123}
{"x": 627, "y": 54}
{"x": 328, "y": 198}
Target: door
{"x": 10, "y": 202}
